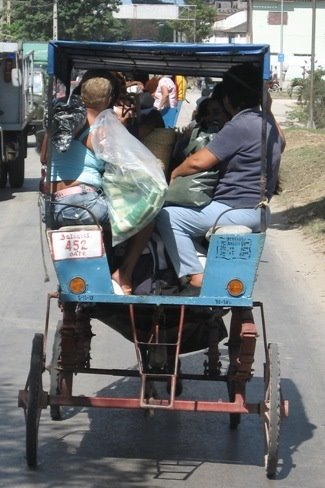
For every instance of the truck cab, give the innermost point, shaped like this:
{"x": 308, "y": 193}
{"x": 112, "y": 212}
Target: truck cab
{"x": 40, "y": 78}
{"x": 16, "y": 109}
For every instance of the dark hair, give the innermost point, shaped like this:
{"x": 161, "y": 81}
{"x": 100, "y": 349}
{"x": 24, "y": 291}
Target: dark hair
{"x": 202, "y": 109}
{"x": 146, "y": 100}
{"x": 218, "y": 92}
{"x": 137, "y": 76}
{"x": 243, "y": 86}
{"x": 151, "y": 85}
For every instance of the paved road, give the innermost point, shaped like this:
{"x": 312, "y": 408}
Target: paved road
{"x": 281, "y": 107}
{"x": 95, "y": 448}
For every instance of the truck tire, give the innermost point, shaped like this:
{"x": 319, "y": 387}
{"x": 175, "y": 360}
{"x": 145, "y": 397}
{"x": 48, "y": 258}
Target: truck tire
{"x": 3, "y": 175}
{"x": 17, "y": 171}
{"x": 16, "y": 166}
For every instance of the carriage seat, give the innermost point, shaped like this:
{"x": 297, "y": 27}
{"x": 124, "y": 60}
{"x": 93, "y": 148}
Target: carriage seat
{"x": 228, "y": 229}
{"x": 202, "y": 249}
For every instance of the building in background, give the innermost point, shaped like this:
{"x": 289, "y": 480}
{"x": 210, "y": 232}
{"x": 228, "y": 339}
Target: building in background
{"x": 286, "y": 25}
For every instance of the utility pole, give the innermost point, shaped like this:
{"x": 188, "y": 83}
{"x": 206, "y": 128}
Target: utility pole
{"x": 281, "y": 55}
{"x": 8, "y": 12}
{"x": 194, "y": 33}
{"x": 310, "y": 122}
{"x": 250, "y": 21}
{"x": 55, "y": 20}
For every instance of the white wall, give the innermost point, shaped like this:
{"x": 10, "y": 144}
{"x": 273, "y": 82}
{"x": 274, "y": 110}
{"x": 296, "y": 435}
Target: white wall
{"x": 296, "y": 34}
{"x": 148, "y": 12}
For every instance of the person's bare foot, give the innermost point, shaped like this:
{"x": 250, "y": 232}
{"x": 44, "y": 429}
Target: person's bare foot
{"x": 123, "y": 282}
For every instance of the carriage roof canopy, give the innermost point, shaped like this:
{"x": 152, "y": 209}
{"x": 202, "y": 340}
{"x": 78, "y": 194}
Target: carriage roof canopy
{"x": 151, "y": 57}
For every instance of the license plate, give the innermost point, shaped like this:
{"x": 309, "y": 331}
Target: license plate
{"x": 76, "y": 244}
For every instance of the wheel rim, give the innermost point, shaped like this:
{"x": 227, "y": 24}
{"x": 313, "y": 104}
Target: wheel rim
{"x": 272, "y": 411}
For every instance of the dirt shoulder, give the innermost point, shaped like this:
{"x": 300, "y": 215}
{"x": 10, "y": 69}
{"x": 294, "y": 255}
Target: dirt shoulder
{"x": 298, "y": 212}
{"x": 303, "y": 257}
{"x": 302, "y": 185}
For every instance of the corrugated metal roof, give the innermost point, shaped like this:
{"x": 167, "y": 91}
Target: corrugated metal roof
{"x": 40, "y": 50}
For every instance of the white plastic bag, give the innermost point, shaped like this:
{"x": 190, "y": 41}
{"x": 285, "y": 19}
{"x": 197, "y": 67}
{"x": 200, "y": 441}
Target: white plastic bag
{"x": 133, "y": 182}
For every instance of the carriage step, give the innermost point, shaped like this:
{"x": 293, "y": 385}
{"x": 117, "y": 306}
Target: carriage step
{"x": 148, "y": 395}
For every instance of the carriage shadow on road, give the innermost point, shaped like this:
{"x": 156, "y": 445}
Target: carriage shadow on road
{"x": 179, "y": 442}
{"x": 95, "y": 445}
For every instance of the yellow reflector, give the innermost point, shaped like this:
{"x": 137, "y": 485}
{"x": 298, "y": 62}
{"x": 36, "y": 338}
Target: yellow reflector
{"x": 77, "y": 285}
{"x": 235, "y": 288}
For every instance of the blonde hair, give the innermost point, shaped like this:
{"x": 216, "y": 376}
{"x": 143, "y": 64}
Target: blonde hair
{"x": 96, "y": 91}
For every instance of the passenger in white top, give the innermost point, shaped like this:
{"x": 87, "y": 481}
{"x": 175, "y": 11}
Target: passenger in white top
{"x": 165, "y": 94}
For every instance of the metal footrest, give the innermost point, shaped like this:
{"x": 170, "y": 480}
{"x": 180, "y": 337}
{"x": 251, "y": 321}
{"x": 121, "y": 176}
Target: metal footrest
{"x": 158, "y": 359}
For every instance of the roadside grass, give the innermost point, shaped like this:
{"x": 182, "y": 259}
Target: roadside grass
{"x": 302, "y": 183}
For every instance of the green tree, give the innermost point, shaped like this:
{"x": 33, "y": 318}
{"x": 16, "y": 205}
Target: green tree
{"x": 77, "y": 20}
{"x": 195, "y": 21}
{"x": 301, "y": 88}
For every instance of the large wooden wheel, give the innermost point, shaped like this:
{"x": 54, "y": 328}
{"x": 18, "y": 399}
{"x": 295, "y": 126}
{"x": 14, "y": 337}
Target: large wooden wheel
{"x": 55, "y": 380}
{"x": 34, "y": 404}
{"x": 272, "y": 411}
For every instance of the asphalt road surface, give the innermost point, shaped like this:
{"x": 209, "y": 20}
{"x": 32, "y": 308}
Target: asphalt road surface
{"x": 122, "y": 448}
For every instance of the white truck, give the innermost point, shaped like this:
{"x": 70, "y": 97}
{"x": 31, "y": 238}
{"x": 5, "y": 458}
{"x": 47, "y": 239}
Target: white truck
{"x": 16, "y": 110}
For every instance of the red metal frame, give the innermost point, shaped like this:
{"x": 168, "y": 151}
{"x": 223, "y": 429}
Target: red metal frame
{"x": 75, "y": 349}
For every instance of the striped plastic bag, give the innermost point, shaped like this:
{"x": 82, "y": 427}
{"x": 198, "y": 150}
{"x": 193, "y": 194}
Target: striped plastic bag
{"x": 133, "y": 182}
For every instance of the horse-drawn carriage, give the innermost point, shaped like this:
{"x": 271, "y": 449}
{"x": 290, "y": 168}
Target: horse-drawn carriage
{"x": 161, "y": 326}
